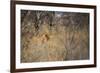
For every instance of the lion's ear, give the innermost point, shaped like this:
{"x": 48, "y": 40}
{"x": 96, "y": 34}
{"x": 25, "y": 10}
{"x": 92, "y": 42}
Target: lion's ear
{"x": 45, "y": 38}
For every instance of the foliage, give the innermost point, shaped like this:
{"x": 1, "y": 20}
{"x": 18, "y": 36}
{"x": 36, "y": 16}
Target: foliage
{"x": 54, "y": 36}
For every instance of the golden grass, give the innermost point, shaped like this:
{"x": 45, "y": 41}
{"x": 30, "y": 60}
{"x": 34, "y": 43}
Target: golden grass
{"x": 55, "y": 43}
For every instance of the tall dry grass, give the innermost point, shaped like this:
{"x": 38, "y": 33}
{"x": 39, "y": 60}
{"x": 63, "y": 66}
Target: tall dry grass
{"x": 53, "y": 43}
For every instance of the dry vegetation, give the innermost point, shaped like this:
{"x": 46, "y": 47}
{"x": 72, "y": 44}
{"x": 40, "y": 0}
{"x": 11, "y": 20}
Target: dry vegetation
{"x": 54, "y": 36}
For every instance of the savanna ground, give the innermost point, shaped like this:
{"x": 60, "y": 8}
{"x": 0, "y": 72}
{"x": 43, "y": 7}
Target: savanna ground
{"x": 54, "y": 36}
